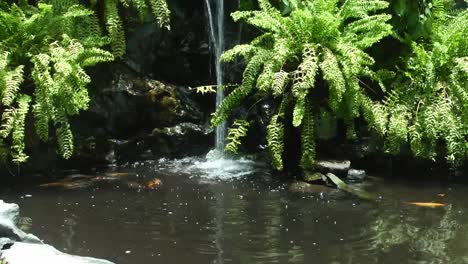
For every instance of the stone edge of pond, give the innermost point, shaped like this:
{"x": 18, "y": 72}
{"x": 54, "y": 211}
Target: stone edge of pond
{"x": 18, "y": 247}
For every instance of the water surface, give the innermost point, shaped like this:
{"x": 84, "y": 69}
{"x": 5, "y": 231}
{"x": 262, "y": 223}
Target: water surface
{"x": 247, "y": 217}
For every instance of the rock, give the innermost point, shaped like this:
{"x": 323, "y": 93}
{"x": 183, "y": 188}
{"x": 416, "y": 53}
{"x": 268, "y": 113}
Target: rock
{"x": 27, "y": 253}
{"x": 185, "y": 139}
{"x": 337, "y": 167}
{"x": 9, "y": 216}
{"x": 356, "y": 175}
{"x": 315, "y": 176}
{"x": 17, "y": 247}
{"x": 25, "y": 224}
{"x": 300, "y": 186}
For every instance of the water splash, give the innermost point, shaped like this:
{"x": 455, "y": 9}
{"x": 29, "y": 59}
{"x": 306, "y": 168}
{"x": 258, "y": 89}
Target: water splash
{"x": 214, "y": 167}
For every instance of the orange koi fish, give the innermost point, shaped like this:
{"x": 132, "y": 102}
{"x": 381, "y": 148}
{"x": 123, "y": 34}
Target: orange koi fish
{"x": 427, "y": 204}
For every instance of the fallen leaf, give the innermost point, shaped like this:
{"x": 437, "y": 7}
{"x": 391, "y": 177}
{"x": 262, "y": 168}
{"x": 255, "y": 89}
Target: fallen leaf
{"x": 427, "y": 204}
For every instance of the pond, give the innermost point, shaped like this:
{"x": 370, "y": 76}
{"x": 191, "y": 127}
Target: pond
{"x": 245, "y": 217}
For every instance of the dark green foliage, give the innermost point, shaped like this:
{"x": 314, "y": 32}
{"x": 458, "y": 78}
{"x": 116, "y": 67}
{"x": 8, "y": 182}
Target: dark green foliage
{"x": 114, "y": 23}
{"x": 429, "y": 103}
{"x": 42, "y": 68}
{"x": 318, "y": 43}
{"x": 44, "y": 50}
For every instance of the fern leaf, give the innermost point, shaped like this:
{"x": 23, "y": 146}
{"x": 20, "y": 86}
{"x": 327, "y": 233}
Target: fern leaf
{"x": 115, "y": 28}
{"x": 332, "y": 74}
{"x": 361, "y": 8}
{"x": 308, "y": 140}
{"x": 303, "y": 81}
{"x": 161, "y": 12}
{"x": 237, "y": 131}
{"x": 280, "y": 81}
{"x": 238, "y": 94}
{"x": 18, "y": 132}
{"x": 13, "y": 81}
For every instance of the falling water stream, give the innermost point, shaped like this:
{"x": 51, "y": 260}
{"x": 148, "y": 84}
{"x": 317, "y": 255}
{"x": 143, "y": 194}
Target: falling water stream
{"x": 216, "y": 24}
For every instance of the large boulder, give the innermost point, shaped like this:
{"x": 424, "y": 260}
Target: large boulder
{"x": 337, "y": 167}
{"x": 9, "y": 215}
{"x": 17, "y": 247}
{"x": 27, "y": 253}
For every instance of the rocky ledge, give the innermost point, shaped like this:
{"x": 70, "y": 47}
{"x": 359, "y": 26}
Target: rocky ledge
{"x": 18, "y": 247}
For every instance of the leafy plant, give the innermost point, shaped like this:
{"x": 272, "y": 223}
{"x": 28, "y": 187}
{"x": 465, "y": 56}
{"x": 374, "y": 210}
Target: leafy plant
{"x": 320, "y": 44}
{"x": 42, "y": 70}
{"x": 429, "y": 103}
{"x": 44, "y": 50}
{"x": 111, "y": 10}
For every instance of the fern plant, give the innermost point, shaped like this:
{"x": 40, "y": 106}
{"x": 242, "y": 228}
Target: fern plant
{"x": 428, "y": 106}
{"x": 114, "y": 21}
{"x": 42, "y": 70}
{"x": 320, "y": 44}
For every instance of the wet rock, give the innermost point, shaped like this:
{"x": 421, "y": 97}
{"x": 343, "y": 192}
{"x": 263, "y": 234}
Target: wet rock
{"x": 9, "y": 216}
{"x": 337, "y": 167}
{"x": 314, "y": 176}
{"x": 18, "y": 247}
{"x": 132, "y": 103}
{"x": 185, "y": 139}
{"x": 27, "y": 253}
{"x": 25, "y": 224}
{"x": 356, "y": 175}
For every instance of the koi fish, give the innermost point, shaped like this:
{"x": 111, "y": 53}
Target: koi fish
{"x": 428, "y": 204}
{"x": 153, "y": 184}
{"x": 117, "y": 174}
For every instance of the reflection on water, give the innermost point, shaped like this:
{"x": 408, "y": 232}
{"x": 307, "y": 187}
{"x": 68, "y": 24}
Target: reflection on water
{"x": 246, "y": 219}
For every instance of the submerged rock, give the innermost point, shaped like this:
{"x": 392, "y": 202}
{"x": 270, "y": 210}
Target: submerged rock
{"x": 315, "y": 176}
{"x": 9, "y": 216}
{"x": 337, "y": 167}
{"x": 322, "y": 190}
{"x": 25, "y": 224}
{"x": 356, "y": 175}
{"x": 300, "y": 186}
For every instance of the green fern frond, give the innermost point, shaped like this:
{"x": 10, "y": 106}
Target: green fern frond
{"x": 244, "y": 50}
{"x": 280, "y": 81}
{"x": 308, "y": 139}
{"x": 397, "y": 130}
{"x": 161, "y": 12}
{"x": 304, "y": 80}
{"x": 237, "y": 131}
{"x": 17, "y": 134}
{"x": 8, "y": 120}
{"x": 238, "y": 94}
{"x": 360, "y": 8}
{"x": 275, "y": 136}
{"x": 115, "y": 28}
{"x": 65, "y": 139}
{"x": 332, "y": 74}
{"x": 13, "y": 81}
{"x": 367, "y": 31}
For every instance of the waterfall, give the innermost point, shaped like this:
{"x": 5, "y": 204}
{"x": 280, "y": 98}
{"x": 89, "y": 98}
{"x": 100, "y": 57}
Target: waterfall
{"x": 216, "y": 23}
